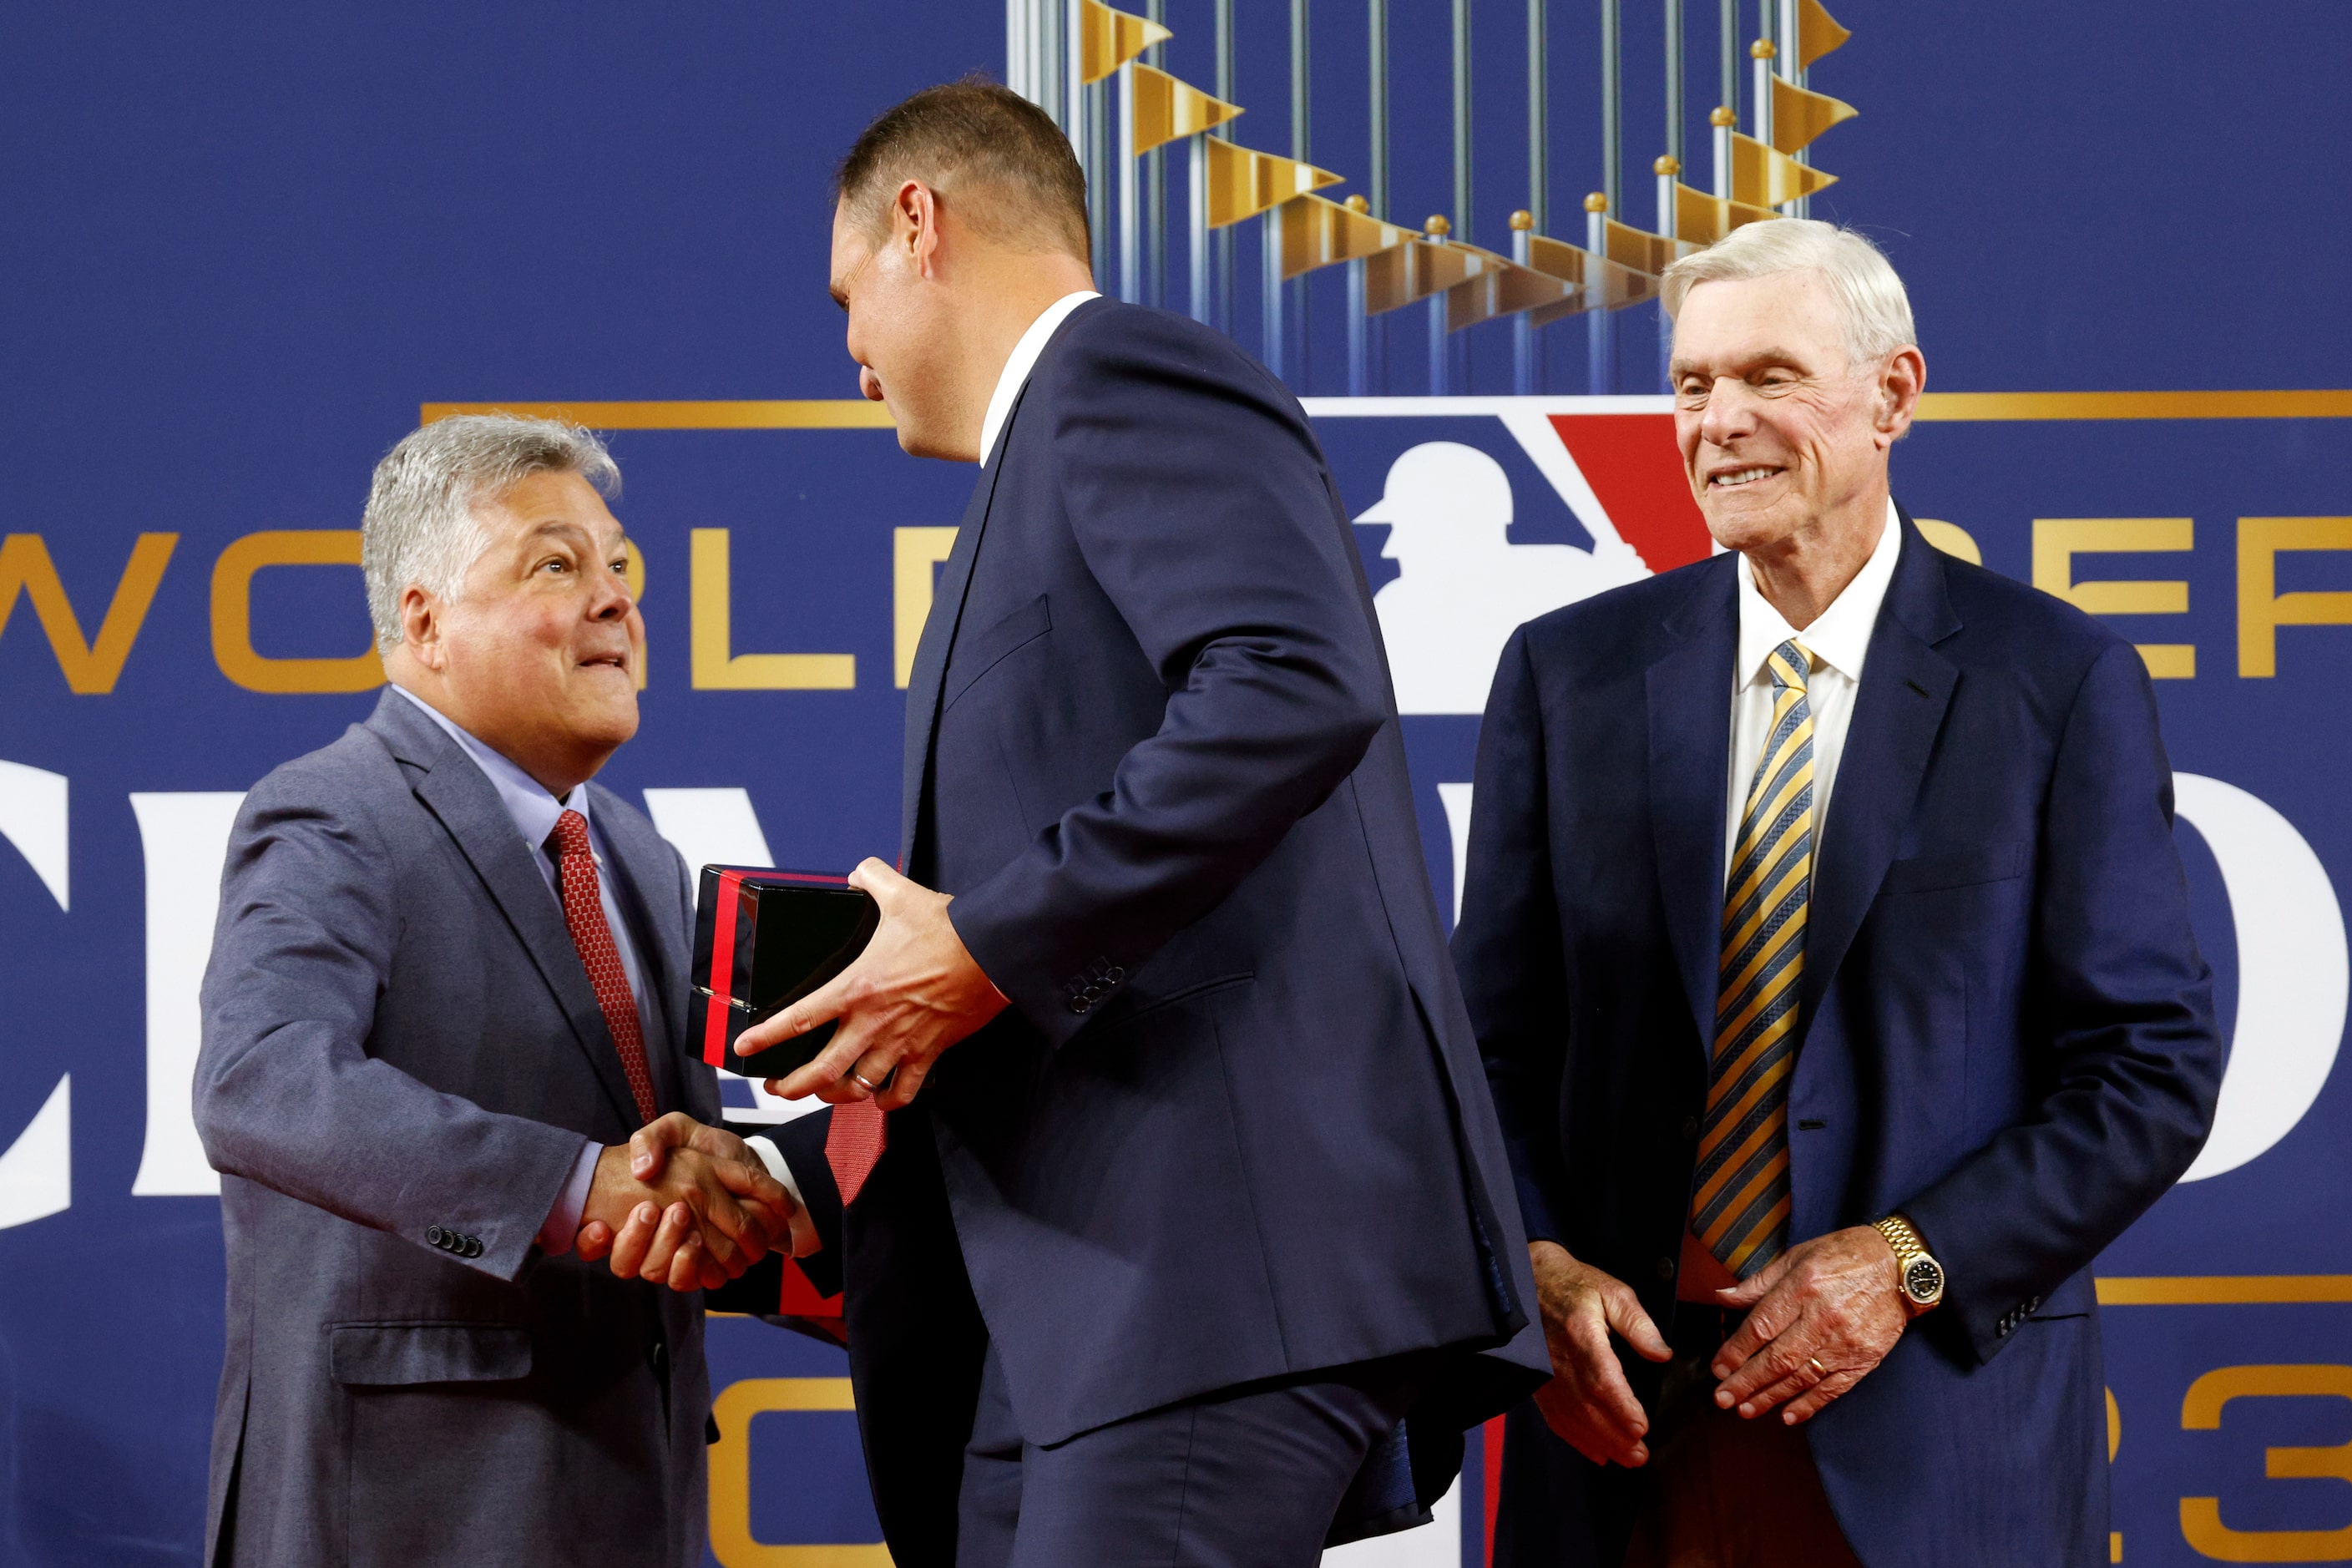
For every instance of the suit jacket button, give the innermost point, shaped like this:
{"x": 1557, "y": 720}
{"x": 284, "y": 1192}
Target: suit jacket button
{"x": 1666, "y": 1267}
{"x": 1116, "y": 975}
{"x": 433, "y": 1234}
{"x": 1080, "y": 1004}
{"x": 1690, "y": 1127}
{"x": 473, "y": 1246}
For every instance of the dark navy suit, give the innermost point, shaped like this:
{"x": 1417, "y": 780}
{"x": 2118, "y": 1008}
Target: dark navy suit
{"x": 2008, "y": 1034}
{"x": 1234, "y": 1127}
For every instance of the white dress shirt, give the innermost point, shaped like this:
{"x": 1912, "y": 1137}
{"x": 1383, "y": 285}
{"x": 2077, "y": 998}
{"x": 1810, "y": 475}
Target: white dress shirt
{"x": 535, "y": 812}
{"x": 1839, "y": 641}
{"x": 1016, "y": 374}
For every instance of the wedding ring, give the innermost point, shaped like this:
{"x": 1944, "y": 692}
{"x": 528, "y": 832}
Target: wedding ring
{"x": 1814, "y": 1362}
{"x": 859, "y": 1078}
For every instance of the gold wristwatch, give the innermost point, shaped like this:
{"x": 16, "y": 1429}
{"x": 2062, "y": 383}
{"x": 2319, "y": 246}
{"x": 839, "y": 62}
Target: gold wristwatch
{"x": 1922, "y": 1277}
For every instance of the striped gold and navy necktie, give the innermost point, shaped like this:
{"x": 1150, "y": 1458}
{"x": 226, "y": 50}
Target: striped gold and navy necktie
{"x": 1741, "y": 1211}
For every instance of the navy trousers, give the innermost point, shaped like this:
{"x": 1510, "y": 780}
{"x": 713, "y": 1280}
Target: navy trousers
{"x": 1240, "y": 1478}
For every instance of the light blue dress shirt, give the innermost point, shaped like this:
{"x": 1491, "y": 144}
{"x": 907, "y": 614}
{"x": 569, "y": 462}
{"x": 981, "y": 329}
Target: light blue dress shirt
{"x": 535, "y": 812}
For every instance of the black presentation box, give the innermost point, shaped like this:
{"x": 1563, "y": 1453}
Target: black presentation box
{"x": 764, "y": 940}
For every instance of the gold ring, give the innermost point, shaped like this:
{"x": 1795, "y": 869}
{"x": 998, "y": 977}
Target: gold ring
{"x": 1814, "y": 1362}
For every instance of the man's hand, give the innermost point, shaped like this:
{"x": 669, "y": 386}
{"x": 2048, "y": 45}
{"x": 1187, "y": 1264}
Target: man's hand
{"x": 709, "y": 1216}
{"x": 1821, "y": 1316}
{"x": 1588, "y": 1403}
{"x": 913, "y": 993}
{"x": 644, "y": 1247}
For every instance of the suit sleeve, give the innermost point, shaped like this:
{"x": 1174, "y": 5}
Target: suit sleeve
{"x": 1201, "y": 505}
{"x": 1506, "y": 945}
{"x": 2134, "y": 1054}
{"x": 794, "y": 1154}
{"x": 286, "y": 1093}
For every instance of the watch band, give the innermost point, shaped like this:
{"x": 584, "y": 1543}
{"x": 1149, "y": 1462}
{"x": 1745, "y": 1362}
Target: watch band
{"x": 1900, "y": 1236}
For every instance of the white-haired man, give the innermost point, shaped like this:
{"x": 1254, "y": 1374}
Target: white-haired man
{"x": 447, "y": 985}
{"x": 1822, "y": 1110}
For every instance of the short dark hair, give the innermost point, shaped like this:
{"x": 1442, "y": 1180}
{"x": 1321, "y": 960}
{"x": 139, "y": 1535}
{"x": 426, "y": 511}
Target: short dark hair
{"x": 968, "y": 135}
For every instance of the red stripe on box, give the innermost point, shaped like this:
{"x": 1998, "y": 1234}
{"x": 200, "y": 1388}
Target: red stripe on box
{"x": 722, "y": 967}
{"x": 1491, "y": 1451}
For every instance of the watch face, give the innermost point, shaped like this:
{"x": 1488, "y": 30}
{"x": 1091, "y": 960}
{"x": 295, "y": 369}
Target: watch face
{"x": 1923, "y": 1281}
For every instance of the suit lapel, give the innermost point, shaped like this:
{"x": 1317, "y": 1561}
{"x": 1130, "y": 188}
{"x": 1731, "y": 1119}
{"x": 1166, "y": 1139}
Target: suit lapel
{"x": 1906, "y": 686}
{"x": 453, "y": 790}
{"x": 939, "y": 637}
{"x": 1689, "y": 698}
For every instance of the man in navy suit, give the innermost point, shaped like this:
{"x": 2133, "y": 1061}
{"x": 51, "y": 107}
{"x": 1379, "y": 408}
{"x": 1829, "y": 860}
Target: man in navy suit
{"x": 1188, "y": 1238}
{"x": 1829, "y": 956}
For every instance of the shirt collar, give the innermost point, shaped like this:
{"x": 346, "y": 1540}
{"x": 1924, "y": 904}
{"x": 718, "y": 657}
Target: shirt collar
{"x": 1025, "y": 360}
{"x": 1840, "y": 638}
{"x": 535, "y": 811}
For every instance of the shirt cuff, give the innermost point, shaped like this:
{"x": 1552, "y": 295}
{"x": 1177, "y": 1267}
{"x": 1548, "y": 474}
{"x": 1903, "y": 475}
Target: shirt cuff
{"x": 562, "y": 1227}
{"x": 773, "y": 1158}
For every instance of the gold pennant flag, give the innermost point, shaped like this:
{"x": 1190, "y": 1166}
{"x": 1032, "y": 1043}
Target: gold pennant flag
{"x": 1798, "y": 115}
{"x": 1817, "y": 32}
{"x": 1642, "y": 250}
{"x": 1107, "y": 39}
{"x": 1414, "y": 270}
{"x": 1616, "y": 285}
{"x": 1703, "y": 219}
{"x": 1504, "y": 289}
{"x": 1243, "y": 183}
{"x": 1166, "y": 109}
{"x": 1762, "y": 177}
{"x": 1318, "y": 232}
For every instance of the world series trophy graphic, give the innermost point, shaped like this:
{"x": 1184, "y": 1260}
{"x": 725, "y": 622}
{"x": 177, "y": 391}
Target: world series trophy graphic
{"x": 1096, "y": 71}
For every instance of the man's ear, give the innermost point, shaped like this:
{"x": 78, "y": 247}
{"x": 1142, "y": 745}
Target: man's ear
{"x": 420, "y": 627}
{"x": 1900, "y": 382}
{"x": 915, "y": 224}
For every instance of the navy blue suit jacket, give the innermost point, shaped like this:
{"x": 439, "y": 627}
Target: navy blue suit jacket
{"x": 2008, "y": 1032}
{"x": 1234, "y": 1126}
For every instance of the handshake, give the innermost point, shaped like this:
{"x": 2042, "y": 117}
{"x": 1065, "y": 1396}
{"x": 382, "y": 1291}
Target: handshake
{"x": 688, "y": 1205}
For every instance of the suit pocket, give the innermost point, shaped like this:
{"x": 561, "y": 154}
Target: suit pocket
{"x": 394, "y": 1355}
{"x": 1967, "y": 869}
{"x": 988, "y": 648}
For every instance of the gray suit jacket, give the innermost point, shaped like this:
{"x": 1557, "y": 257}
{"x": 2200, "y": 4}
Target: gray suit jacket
{"x": 399, "y": 1042}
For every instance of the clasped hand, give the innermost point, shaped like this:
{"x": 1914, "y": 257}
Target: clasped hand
{"x": 1820, "y": 1317}
{"x": 684, "y": 1205}
{"x": 914, "y": 991}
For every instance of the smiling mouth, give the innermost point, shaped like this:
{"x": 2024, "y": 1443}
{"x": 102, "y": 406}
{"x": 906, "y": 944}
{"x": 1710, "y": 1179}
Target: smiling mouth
{"x": 606, "y": 661}
{"x": 1735, "y": 478}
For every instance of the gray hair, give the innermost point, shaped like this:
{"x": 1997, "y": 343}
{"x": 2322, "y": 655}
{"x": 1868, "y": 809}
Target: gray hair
{"x": 420, "y": 528}
{"x": 1874, "y": 309}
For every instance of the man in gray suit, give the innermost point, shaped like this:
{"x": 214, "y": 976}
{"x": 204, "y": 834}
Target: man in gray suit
{"x": 448, "y": 983}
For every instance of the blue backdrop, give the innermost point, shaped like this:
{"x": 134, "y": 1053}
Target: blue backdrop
{"x": 247, "y": 245}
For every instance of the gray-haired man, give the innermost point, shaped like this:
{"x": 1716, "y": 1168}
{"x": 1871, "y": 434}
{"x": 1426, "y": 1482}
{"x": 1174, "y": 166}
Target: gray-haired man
{"x": 447, "y": 984}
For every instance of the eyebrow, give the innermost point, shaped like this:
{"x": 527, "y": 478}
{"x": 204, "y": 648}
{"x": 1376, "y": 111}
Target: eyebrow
{"x": 1769, "y": 356}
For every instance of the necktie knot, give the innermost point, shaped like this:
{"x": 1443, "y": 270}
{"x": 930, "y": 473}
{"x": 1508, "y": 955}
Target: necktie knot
{"x": 1790, "y": 663}
{"x": 570, "y": 836}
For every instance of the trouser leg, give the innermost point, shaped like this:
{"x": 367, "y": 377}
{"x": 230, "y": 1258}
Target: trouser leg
{"x": 1241, "y": 1479}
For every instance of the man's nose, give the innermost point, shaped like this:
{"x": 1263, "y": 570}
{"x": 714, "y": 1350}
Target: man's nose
{"x": 1730, "y": 412}
{"x": 869, "y": 385}
{"x": 613, "y": 599}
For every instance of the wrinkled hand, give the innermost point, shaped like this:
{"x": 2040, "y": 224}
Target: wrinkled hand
{"x": 913, "y": 993}
{"x": 1588, "y": 1403}
{"x": 644, "y": 1246}
{"x": 706, "y": 1215}
{"x": 1820, "y": 1317}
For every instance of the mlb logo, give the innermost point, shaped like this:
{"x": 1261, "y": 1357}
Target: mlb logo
{"x": 1479, "y": 514}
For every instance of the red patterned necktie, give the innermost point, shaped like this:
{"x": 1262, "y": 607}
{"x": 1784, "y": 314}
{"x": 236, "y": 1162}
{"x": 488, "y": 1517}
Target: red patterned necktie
{"x": 583, "y": 912}
{"x": 853, "y": 1145}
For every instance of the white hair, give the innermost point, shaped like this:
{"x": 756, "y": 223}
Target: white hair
{"x": 420, "y": 529}
{"x": 1872, "y": 309}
